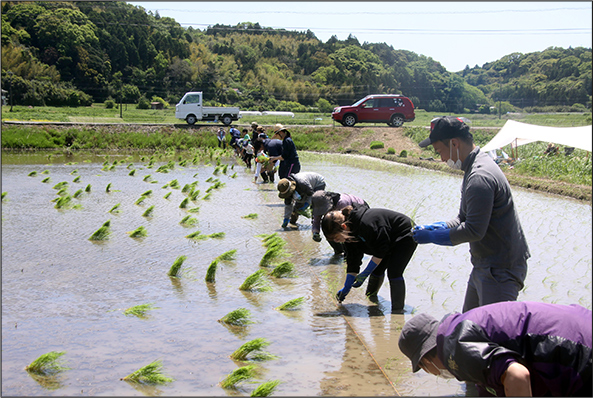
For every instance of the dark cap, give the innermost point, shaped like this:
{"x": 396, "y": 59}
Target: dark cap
{"x": 321, "y": 203}
{"x": 419, "y": 336}
{"x": 444, "y": 128}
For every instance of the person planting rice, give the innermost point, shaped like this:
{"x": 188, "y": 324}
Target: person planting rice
{"x": 296, "y": 190}
{"x": 289, "y": 159}
{"x": 518, "y": 349}
{"x": 487, "y": 218}
{"x": 384, "y": 234}
{"x": 323, "y": 202}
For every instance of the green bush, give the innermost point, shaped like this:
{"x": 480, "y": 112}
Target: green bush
{"x": 377, "y": 145}
{"x": 160, "y": 100}
{"x": 391, "y": 151}
{"x": 143, "y": 103}
{"x": 403, "y": 154}
{"x": 109, "y": 103}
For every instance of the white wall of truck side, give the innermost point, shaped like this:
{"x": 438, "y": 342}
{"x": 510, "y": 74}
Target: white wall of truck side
{"x": 191, "y": 110}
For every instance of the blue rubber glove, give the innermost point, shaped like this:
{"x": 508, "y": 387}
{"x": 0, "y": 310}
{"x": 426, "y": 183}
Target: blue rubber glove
{"x": 304, "y": 207}
{"x": 437, "y": 236}
{"x": 285, "y": 222}
{"x": 360, "y": 278}
{"x": 432, "y": 227}
{"x": 341, "y": 295}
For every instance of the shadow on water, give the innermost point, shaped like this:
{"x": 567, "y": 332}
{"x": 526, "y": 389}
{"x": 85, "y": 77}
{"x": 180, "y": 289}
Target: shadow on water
{"x": 59, "y": 289}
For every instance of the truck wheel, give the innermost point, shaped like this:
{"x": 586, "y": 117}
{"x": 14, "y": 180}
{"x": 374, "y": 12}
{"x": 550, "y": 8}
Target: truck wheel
{"x": 226, "y": 120}
{"x": 349, "y": 120}
{"x": 396, "y": 120}
{"x": 191, "y": 119}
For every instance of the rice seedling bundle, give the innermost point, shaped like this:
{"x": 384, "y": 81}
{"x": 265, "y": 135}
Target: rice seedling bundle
{"x": 186, "y": 188}
{"x": 188, "y": 220}
{"x": 162, "y": 169}
{"x": 227, "y": 256}
{"x": 140, "y": 200}
{"x": 107, "y": 223}
{"x": 129, "y": 166}
{"x": 207, "y": 196}
{"x": 167, "y": 195}
{"x": 73, "y": 172}
{"x": 4, "y": 195}
{"x": 32, "y": 174}
{"x": 48, "y": 363}
{"x": 224, "y": 168}
{"x": 197, "y": 236}
{"x": 250, "y": 216}
{"x": 291, "y": 304}
{"x": 105, "y": 168}
{"x": 174, "y": 270}
{"x": 253, "y": 349}
{"x": 45, "y": 180}
{"x": 283, "y": 269}
{"x": 88, "y": 188}
{"x": 147, "y": 193}
{"x": 238, "y": 375}
{"x": 234, "y": 175}
{"x": 184, "y": 203}
{"x": 61, "y": 185}
{"x": 265, "y": 389}
{"x": 148, "y": 212}
{"x": 101, "y": 234}
{"x": 77, "y": 179}
{"x": 138, "y": 232}
{"x": 140, "y": 310}
{"x": 216, "y": 170}
{"x": 211, "y": 179}
{"x": 132, "y": 172}
{"x": 256, "y": 281}
{"x": 193, "y": 196}
{"x": 114, "y": 209}
{"x": 63, "y": 201}
{"x": 149, "y": 374}
{"x": 108, "y": 188}
{"x": 146, "y": 177}
{"x": 217, "y": 235}
{"x": 174, "y": 184}
{"x": 270, "y": 255}
{"x": 63, "y": 192}
{"x": 194, "y": 210}
{"x": 77, "y": 193}
{"x": 211, "y": 271}
{"x": 45, "y": 172}
{"x": 238, "y": 317}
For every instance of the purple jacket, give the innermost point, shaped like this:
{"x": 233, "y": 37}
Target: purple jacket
{"x": 552, "y": 341}
{"x": 344, "y": 200}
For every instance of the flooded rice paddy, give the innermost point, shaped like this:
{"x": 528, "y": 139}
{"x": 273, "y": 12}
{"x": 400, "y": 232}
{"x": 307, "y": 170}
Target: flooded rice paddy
{"x": 63, "y": 292}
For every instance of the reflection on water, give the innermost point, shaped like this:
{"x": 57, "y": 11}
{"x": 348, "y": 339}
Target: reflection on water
{"x": 61, "y": 291}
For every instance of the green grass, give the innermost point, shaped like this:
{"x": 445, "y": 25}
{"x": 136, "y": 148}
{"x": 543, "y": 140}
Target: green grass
{"x": 101, "y": 234}
{"x": 211, "y": 271}
{"x": 188, "y": 221}
{"x": 256, "y": 282}
{"x": 250, "y": 216}
{"x": 265, "y": 389}
{"x": 47, "y": 364}
{"x": 238, "y": 317}
{"x": 138, "y": 232}
{"x": 228, "y": 255}
{"x": 149, "y": 374}
{"x": 174, "y": 270}
{"x": 238, "y": 375}
{"x": 140, "y": 310}
{"x": 283, "y": 269}
{"x": 253, "y": 350}
{"x": 197, "y": 235}
{"x": 291, "y": 304}
{"x": 148, "y": 212}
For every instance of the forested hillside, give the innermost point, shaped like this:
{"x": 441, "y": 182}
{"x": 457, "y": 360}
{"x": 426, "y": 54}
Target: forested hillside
{"x": 76, "y": 53}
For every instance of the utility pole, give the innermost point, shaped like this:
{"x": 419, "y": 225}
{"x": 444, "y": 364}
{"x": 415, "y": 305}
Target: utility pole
{"x": 10, "y": 79}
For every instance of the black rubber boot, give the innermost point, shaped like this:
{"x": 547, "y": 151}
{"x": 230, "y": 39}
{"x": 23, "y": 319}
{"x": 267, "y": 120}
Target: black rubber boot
{"x": 398, "y": 294}
{"x": 373, "y": 287}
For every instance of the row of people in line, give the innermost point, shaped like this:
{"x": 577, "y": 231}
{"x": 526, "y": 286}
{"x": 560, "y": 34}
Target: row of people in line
{"x": 505, "y": 347}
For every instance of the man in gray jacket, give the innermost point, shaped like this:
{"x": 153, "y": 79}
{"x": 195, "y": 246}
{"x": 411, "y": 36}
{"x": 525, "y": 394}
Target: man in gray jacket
{"x": 297, "y": 190}
{"x": 487, "y": 218}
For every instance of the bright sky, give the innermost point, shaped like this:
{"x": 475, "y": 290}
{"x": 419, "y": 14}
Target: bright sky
{"x": 455, "y": 34}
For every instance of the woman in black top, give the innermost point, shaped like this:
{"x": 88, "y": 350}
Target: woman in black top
{"x": 289, "y": 160}
{"x": 382, "y": 233}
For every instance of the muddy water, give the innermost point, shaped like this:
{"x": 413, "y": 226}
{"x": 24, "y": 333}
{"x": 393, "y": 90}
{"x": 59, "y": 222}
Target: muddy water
{"x": 62, "y": 292}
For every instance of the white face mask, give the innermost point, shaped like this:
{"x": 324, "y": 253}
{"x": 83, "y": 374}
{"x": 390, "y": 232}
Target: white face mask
{"x": 454, "y": 165}
{"x": 443, "y": 373}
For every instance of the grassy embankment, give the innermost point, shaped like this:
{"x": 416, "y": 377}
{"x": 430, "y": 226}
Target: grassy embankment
{"x": 564, "y": 175}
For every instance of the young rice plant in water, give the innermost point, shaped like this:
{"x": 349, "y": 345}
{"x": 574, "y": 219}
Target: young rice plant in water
{"x": 238, "y": 375}
{"x": 138, "y": 232}
{"x": 47, "y": 364}
{"x": 174, "y": 270}
{"x": 149, "y": 374}
{"x": 211, "y": 271}
{"x": 283, "y": 269}
{"x": 140, "y": 310}
{"x": 291, "y": 304}
{"x": 265, "y": 389}
{"x": 238, "y": 317}
{"x": 256, "y": 282}
{"x": 254, "y": 350}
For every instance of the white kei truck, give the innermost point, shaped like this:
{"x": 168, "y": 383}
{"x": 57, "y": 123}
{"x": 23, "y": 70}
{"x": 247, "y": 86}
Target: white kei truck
{"x": 191, "y": 110}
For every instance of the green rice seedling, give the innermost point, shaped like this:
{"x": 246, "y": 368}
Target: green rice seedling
{"x": 77, "y": 179}
{"x": 227, "y": 256}
{"x": 253, "y": 350}
{"x": 140, "y": 310}
{"x": 211, "y": 271}
{"x": 174, "y": 270}
{"x": 256, "y": 282}
{"x": 273, "y": 252}
{"x": 45, "y": 180}
{"x": 77, "y": 193}
{"x": 61, "y": 185}
{"x": 105, "y": 163}
{"x": 250, "y": 216}
{"x": 210, "y": 179}
{"x": 148, "y": 212}
{"x": 265, "y": 389}
{"x": 216, "y": 170}
{"x": 132, "y": 172}
{"x": 167, "y": 195}
{"x": 88, "y": 188}
{"x": 107, "y": 223}
{"x": 224, "y": 168}
{"x": 238, "y": 317}
{"x": 207, "y": 196}
{"x": 32, "y": 174}
{"x": 217, "y": 235}
{"x": 188, "y": 221}
{"x": 183, "y": 163}
{"x": 108, "y": 188}
{"x": 45, "y": 172}
{"x": 4, "y": 195}
{"x": 197, "y": 236}
{"x": 165, "y": 186}
{"x": 146, "y": 177}
{"x": 149, "y": 374}
{"x": 63, "y": 191}
{"x": 186, "y": 188}
{"x": 234, "y": 175}
{"x": 193, "y": 196}
{"x": 147, "y": 193}
{"x": 73, "y": 172}
{"x": 115, "y": 208}
{"x": 47, "y": 364}
{"x": 129, "y": 166}
{"x": 291, "y": 304}
{"x": 138, "y": 232}
{"x": 140, "y": 200}
{"x": 162, "y": 169}
{"x": 283, "y": 269}
{"x": 174, "y": 184}
{"x": 101, "y": 234}
{"x": 184, "y": 203}
{"x": 238, "y": 375}
{"x": 194, "y": 210}
{"x": 63, "y": 201}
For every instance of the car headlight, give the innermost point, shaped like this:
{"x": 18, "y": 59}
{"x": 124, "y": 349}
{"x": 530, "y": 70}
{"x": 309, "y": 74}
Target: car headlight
{"x": 337, "y": 110}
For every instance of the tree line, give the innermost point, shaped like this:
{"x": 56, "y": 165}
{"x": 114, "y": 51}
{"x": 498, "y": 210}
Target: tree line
{"x": 77, "y": 53}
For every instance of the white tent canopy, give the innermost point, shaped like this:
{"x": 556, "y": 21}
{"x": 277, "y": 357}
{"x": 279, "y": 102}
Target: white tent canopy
{"x": 519, "y": 133}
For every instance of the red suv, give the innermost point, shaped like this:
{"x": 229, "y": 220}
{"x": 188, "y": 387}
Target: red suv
{"x": 393, "y": 109}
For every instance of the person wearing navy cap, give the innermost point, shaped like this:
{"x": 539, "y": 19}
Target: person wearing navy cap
{"x": 487, "y": 218}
